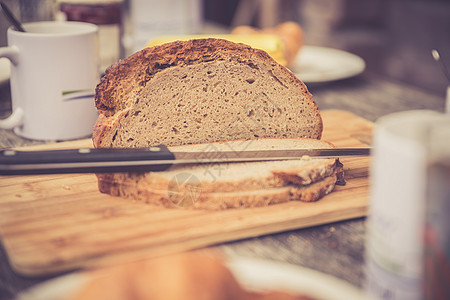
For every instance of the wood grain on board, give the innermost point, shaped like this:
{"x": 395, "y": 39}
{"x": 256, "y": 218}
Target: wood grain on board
{"x": 52, "y": 223}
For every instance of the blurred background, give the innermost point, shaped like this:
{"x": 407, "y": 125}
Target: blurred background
{"x": 394, "y": 37}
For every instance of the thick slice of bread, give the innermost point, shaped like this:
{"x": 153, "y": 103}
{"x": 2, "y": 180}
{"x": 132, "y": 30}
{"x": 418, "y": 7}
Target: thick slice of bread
{"x": 227, "y": 185}
{"x": 191, "y": 196}
{"x": 200, "y": 91}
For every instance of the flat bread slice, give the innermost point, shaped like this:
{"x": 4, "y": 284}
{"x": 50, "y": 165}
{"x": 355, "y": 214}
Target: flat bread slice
{"x": 192, "y": 197}
{"x": 230, "y": 185}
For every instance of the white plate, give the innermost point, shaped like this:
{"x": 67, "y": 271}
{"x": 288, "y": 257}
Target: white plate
{"x": 4, "y": 70}
{"x": 253, "y": 274}
{"x": 258, "y": 274}
{"x": 56, "y": 289}
{"x": 319, "y": 64}
{"x": 313, "y": 64}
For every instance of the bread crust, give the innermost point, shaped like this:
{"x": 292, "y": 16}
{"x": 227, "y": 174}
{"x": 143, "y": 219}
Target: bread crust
{"x": 132, "y": 99}
{"x": 144, "y": 64}
{"x": 125, "y": 81}
{"x": 226, "y": 200}
{"x": 305, "y": 180}
{"x": 301, "y": 172}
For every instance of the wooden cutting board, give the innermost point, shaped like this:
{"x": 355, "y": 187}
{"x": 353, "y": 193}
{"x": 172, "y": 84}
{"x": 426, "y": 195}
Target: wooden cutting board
{"x": 52, "y": 223}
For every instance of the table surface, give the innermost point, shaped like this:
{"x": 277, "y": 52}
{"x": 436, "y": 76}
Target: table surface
{"x": 336, "y": 249}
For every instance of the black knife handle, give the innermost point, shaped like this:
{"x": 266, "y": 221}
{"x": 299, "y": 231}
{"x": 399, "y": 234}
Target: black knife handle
{"x": 85, "y": 160}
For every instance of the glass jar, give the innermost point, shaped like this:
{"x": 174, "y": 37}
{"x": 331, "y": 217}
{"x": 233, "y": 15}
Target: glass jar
{"x": 107, "y": 15}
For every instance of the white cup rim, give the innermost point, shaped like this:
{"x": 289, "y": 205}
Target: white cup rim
{"x": 408, "y": 124}
{"x": 71, "y": 28}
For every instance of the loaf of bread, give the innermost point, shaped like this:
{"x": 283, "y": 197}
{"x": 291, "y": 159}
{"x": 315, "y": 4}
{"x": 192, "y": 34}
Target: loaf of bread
{"x": 200, "y": 91}
{"x": 200, "y": 95}
{"x": 232, "y": 185}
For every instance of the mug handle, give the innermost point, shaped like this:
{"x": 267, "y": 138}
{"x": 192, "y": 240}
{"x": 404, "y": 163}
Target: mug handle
{"x": 16, "y": 118}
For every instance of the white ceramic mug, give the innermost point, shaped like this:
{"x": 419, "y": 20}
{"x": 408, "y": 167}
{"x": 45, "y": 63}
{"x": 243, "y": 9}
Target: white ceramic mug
{"x": 54, "y": 71}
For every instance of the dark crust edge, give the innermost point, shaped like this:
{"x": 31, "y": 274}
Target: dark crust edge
{"x": 145, "y": 63}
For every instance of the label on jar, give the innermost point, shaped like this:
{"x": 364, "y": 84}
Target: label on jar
{"x": 390, "y": 286}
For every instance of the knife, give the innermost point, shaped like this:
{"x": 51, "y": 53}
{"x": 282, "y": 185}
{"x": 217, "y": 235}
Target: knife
{"x": 159, "y": 158}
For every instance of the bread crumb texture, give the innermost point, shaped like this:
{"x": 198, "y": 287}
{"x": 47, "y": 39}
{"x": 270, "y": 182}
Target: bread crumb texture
{"x": 216, "y": 186}
{"x": 201, "y": 91}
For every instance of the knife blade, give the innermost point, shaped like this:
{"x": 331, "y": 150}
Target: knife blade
{"x": 159, "y": 158}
